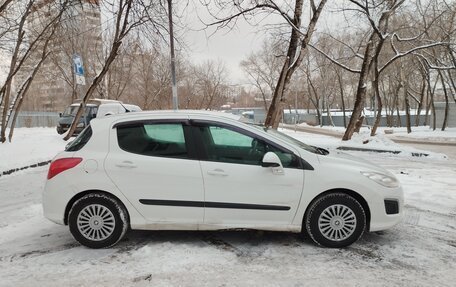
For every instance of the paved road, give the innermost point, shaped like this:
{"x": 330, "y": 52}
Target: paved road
{"x": 449, "y": 150}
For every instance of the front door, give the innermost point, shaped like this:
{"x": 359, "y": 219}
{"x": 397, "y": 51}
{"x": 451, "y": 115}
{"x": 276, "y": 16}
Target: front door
{"x": 239, "y": 192}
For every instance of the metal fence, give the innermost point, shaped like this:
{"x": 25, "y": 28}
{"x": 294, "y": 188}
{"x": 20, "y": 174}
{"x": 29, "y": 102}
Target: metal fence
{"x": 36, "y": 119}
{"x": 440, "y": 115}
{"x": 385, "y": 121}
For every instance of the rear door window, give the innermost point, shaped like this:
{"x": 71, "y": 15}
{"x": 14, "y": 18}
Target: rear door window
{"x": 156, "y": 139}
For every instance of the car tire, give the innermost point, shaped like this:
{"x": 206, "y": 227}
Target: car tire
{"x": 335, "y": 220}
{"x": 98, "y": 221}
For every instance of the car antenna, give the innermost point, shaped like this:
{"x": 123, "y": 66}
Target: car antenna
{"x": 126, "y": 110}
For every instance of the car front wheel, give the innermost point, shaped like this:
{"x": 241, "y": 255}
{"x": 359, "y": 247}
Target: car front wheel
{"x": 98, "y": 221}
{"x": 335, "y": 220}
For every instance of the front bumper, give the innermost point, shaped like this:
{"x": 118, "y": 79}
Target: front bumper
{"x": 380, "y": 219}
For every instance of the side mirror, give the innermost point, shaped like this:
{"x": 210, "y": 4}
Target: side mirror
{"x": 270, "y": 159}
{"x": 94, "y": 116}
{"x": 60, "y": 114}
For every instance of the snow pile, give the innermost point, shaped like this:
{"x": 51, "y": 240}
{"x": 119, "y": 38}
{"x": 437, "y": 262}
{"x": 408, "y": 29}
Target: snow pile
{"x": 424, "y": 134}
{"x": 421, "y": 133}
{"x": 363, "y": 142}
{"x": 30, "y": 146}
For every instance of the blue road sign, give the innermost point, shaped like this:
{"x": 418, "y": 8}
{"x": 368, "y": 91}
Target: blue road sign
{"x": 77, "y": 64}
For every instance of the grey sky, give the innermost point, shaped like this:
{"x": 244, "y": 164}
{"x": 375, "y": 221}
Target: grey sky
{"x": 232, "y": 46}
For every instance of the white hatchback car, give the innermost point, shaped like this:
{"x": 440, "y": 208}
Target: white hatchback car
{"x": 193, "y": 170}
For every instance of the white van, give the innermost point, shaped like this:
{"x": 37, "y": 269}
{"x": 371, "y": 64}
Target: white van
{"x": 95, "y": 108}
{"x": 115, "y": 108}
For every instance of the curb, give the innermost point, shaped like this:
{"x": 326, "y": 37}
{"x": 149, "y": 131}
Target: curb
{"x": 417, "y": 154}
{"x": 8, "y": 172}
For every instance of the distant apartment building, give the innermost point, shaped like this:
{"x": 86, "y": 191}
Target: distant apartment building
{"x": 79, "y": 32}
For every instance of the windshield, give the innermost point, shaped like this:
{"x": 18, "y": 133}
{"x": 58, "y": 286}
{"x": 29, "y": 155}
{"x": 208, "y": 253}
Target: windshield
{"x": 291, "y": 140}
{"x": 72, "y": 110}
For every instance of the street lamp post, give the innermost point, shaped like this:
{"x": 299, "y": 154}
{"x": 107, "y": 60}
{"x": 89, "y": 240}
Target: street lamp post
{"x": 173, "y": 57}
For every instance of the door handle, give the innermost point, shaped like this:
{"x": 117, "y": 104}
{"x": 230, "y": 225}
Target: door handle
{"x": 126, "y": 164}
{"x": 217, "y": 172}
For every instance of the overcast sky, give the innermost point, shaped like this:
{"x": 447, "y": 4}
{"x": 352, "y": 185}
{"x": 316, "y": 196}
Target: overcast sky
{"x": 232, "y": 46}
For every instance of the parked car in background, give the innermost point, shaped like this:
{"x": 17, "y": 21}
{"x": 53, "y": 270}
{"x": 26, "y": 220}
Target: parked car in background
{"x": 94, "y": 108}
{"x": 183, "y": 170}
{"x": 115, "y": 108}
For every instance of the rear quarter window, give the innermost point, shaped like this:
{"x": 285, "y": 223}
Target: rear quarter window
{"x": 81, "y": 140}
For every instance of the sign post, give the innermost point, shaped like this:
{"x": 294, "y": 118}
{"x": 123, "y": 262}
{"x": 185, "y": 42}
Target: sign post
{"x": 78, "y": 70}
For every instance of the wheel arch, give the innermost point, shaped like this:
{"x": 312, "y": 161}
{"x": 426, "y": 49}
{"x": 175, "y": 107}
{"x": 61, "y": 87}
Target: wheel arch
{"x": 349, "y": 192}
{"x": 84, "y": 193}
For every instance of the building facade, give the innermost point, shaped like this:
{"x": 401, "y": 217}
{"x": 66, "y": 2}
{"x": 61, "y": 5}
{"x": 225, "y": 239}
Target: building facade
{"x": 79, "y": 32}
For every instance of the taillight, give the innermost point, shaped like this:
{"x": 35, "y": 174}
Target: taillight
{"x": 62, "y": 164}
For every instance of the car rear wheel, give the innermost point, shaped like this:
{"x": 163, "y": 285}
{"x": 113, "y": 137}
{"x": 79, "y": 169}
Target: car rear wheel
{"x": 98, "y": 221}
{"x": 335, "y": 220}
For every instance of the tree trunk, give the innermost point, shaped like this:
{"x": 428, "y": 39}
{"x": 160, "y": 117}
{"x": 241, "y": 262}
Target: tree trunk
{"x": 294, "y": 58}
{"x": 6, "y": 89}
{"x": 92, "y": 88}
{"x": 16, "y": 113}
{"x": 447, "y": 104}
{"x": 342, "y": 100}
{"x": 378, "y": 116}
{"x": 361, "y": 90}
{"x": 407, "y": 110}
{"x": 420, "y": 104}
{"x": 406, "y": 101}
{"x": 433, "y": 112}
{"x": 359, "y": 124}
{"x": 375, "y": 86}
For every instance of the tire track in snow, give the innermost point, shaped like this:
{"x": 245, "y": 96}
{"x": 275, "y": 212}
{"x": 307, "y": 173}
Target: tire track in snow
{"x": 37, "y": 252}
{"x": 13, "y": 170}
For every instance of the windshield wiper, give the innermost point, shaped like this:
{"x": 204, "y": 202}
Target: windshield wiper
{"x": 320, "y": 150}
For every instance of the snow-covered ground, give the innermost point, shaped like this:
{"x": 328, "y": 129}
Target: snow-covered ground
{"x": 30, "y": 146}
{"x": 364, "y": 141}
{"x": 419, "y": 252}
{"x": 421, "y": 133}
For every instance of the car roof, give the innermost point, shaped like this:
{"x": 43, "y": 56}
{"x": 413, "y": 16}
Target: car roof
{"x": 87, "y": 105}
{"x": 171, "y": 113}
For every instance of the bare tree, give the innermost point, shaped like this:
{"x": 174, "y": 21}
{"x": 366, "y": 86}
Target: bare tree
{"x": 381, "y": 32}
{"x": 263, "y": 69}
{"x": 211, "y": 81}
{"x": 297, "y": 43}
{"x": 25, "y": 42}
{"x": 129, "y": 15}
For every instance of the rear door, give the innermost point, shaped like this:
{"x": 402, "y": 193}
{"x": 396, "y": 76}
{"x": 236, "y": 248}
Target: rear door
{"x": 155, "y": 167}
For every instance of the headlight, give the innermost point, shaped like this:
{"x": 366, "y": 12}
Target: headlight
{"x": 382, "y": 179}
{"x": 80, "y": 125}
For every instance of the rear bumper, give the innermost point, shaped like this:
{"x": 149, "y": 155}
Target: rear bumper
{"x": 56, "y": 196}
